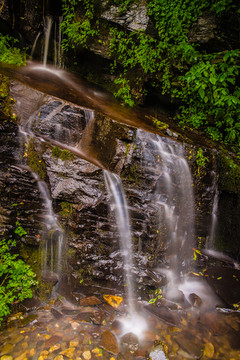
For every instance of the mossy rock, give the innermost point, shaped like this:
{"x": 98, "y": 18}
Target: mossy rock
{"x": 64, "y": 155}
{"x": 229, "y": 174}
{"x": 35, "y": 161}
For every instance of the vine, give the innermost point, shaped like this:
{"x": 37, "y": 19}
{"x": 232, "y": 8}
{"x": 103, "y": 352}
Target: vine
{"x": 206, "y": 85}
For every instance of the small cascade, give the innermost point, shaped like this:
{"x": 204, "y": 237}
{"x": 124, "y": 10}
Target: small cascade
{"x": 52, "y": 245}
{"x": 174, "y": 196}
{"x": 120, "y": 208}
{"x": 52, "y": 241}
{"x": 58, "y": 52}
{"x": 47, "y": 31}
{"x": 35, "y": 44}
{"x": 52, "y": 30}
{"x": 212, "y": 233}
{"x": 173, "y": 200}
{"x": 133, "y": 323}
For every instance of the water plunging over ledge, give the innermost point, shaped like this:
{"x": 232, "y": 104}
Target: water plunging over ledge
{"x": 120, "y": 208}
{"x": 52, "y": 239}
{"x": 173, "y": 200}
{"x": 133, "y": 322}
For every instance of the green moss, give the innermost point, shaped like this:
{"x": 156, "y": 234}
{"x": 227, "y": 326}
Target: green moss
{"x": 229, "y": 173}
{"x": 6, "y": 101}
{"x": 62, "y": 154}
{"x": 131, "y": 174}
{"x": 35, "y": 161}
{"x": 67, "y": 209}
{"x": 31, "y": 256}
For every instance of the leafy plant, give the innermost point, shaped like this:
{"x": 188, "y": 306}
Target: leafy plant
{"x": 79, "y": 29}
{"x": 201, "y": 160}
{"x": 206, "y": 85}
{"x": 19, "y": 229}
{"x": 16, "y": 278}
{"x": 158, "y": 296}
{"x": 9, "y": 53}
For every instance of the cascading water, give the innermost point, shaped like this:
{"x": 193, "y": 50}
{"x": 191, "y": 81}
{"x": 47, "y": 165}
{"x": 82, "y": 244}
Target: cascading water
{"x": 49, "y": 24}
{"x": 58, "y": 52}
{"x": 174, "y": 202}
{"x": 47, "y": 31}
{"x": 52, "y": 240}
{"x": 210, "y": 242}
{"x": 119, "y": 205}
{"x": 134, "y": 322}
{"x": 213, "y": 228}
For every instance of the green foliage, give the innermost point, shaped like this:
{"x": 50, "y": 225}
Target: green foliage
{"x": 62, "y": 154}
{"x": 81, "y": 28}
{"x": 229, "y": 173}
{"x": 35, "y": 160}
{"x": 206, "y": 85}
{"x": 157, "y": 296}
{"x": 201, "y": 160}
{"x": 211, "y": 99}
{"x": 6, "y": 101}
{"x": 9, "y": 53}
{"x": 67, "y": 209}
{"x": 16, "y": 278}
{"x": 124, "y": 92}
{"x": 19, "y": 230}
{"x": 123, "y": 5}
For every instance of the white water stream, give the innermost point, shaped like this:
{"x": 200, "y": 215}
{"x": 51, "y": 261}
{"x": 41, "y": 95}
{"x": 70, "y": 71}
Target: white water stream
{"x": 134, "y": 322}
{"x": 47, "y": 32}
{"x": 120, "y": 208}
{"x": 52, "y": 237}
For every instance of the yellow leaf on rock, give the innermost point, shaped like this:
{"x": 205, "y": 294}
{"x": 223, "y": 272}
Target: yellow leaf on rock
{"x": 113, "y": 300}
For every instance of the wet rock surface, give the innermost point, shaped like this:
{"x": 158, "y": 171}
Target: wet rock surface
{"x": 79, "y": 194}
{"x": 211, "y": 336}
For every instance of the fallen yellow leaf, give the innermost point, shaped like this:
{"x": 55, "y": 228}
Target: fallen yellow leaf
{"x": 113, "y": 300}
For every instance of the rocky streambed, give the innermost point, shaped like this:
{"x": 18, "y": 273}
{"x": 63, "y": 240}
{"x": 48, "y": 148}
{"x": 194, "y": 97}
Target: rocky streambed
{"x": 93, "y": 329}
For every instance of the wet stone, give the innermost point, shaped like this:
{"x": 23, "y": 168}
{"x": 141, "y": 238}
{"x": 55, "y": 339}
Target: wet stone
{"x": 16, "y": 339}
{"x": 157, "y": 353}
{"x": 195, "y": 300}
{"x": 86, "y": 355}
{"x": 29, "y": 319}
{"x": 84, "y": 317}
{"x": 31, "y": 304}
{"x": 130, "y": 341}
{"x": 190, "y": 344}
{"x": 209, "y": 350}
{"x": 170, "y": 317}
{"x": 90, "y": 301}
{"x": 7, "y": 349}
{"x": 98, "y": 317}
{"x": 68, "y": 352}
{"x": 57, "y": 314}
{"x": 22, "y": 356}
{"x": 214, "y": 323}
{"x": 109, "y": 342}
{"x": 52, "y": 341}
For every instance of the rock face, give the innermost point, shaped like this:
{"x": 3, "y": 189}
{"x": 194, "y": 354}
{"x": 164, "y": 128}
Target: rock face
{"x": 135, "y": 18}
{"x": 80, "y": 198}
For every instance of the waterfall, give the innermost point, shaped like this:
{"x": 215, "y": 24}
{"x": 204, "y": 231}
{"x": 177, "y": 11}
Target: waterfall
{"x": 57, "y": 40}
{"x": 35, "y": 44}
{"x": 174, "y": 197}
{"x": 52, "y": 241}
{"x": 58, "y": 43}
{"x": 211, "y": 238}
{"x": 173, "y": 200}
{"x": 47, "y": 31}
{"x": 53, "y": 235}
{"x": 120, "y": 208}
